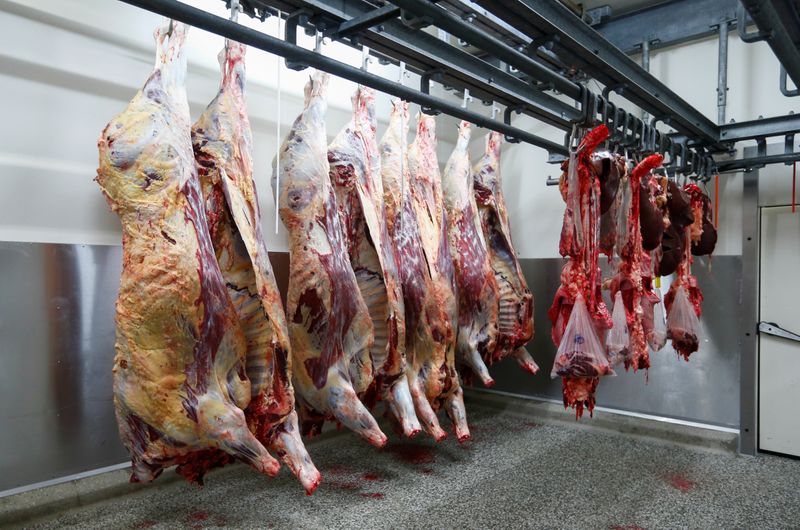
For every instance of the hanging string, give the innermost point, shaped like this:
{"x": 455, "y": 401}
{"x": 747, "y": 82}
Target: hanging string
{"x": 716, "y": 201}
{"x": 278, "y": 134}
{"x": 403, "y": 150}
{"x": 794, "y": 184}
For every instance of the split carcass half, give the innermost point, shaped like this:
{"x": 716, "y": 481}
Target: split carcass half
{"x": 515, "y": 314}
{"x": 355, "y": 173}
{"x": 426, "y": 196}
{"x": 329, "y": 324}
{"x": 475, "y": 279}
{"x": 425, "y": 318}
{"x": 180, "y": 380}
{"x": 223, "y": 147}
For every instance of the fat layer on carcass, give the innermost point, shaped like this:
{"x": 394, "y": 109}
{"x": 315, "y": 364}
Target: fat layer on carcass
{"x": 355, "y": 173}
{"x": 180, "y": 380}
{"x": 223, "y": 148}
{"x": 426, "y": 196}
{"x": 475, "y": 280}
{"x": 515, "y": 316}
{"x": 329, "y": 324}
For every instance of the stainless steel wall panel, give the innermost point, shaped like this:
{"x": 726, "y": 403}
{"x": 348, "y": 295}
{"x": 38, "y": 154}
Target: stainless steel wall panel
{"x": 705, "y": 390}
{"x": 56, "y": 345}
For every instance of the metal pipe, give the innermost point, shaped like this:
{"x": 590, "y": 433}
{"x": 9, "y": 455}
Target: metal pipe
{"x": 645, "y": 66}
{"x": 256, "y": 39}
{"x": 722, "y": 73}
{"x": 777, "y": 19}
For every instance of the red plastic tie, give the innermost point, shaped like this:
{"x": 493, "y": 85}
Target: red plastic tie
{"x": 716, "y": 200}
{"x": 794, "y": 187}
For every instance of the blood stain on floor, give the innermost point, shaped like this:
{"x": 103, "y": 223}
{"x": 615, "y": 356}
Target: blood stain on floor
{"x": 681, "y": 483}
{"x": 375, "y": 495}
{"x": 372, "y": 476}
{"x": 413, "y": 454}
{"x": 147, "y": 523}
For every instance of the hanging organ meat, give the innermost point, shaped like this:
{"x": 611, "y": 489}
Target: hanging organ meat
{"x": 580, "y": 281}
{"x": 223, "y": 148}
{"x": 476, "y": 285}
{"x": 355, "y": 173}
{"x": 330, "y": 327}
{"x": 425, "y": 189}
{"x": 515, "y": 311}
{"x": 180, "y": 374}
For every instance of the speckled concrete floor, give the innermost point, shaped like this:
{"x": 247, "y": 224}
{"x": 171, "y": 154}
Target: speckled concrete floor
{"x": 518, "y": 472}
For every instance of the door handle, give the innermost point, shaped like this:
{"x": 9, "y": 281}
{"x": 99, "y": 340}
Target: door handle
{"x": 771, "y": 328}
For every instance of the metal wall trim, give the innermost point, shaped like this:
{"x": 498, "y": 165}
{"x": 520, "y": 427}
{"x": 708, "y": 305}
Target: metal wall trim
{"x": 748, "y": 370}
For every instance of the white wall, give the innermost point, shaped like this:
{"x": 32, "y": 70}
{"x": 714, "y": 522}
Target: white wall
{"x": 68, "y": 66}
{"x": 691, "y": 71}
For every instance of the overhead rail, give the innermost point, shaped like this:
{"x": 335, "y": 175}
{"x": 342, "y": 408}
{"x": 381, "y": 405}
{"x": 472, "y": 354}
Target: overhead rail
{"x": 488, "y": 61}
{"x": 602, "y": 60}
{"x": 778, "y": 22}
{"x": 256, "y": 39}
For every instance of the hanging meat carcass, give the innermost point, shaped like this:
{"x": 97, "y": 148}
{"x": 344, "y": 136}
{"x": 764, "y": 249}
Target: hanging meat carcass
{"x": 180, "y": 380}
{"x": 329, "y": 324}
{"x": 633, "y": 266}
{"x": 425, "y": 190}
{"x": 475, "y": 280}
{"x": 223, "y": 143}
{"x": 355, "y": 173}
{"x": 578, "y": 364}
{"x": 515, "y": 314}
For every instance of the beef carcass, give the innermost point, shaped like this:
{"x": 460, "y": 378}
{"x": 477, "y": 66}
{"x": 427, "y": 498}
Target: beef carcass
{"x": 426, "y": 318}
{"x": 515, "y": 313}
{"x": 425, "y": 187}
{"x": 629, "y": 278}
{"x": 355, "y": 173}
{"x": 180, "y": 380}
{"x": 580, "y": 277}
{"x": 223, "y": 147}
{"x": 476, "y": 285}
{"x": 329, "y": 325}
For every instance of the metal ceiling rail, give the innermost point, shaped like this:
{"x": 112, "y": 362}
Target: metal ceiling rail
{"x": 667, "y": 24}
{"x": 464, "y": 30}
{"x": 424, "y": 52}
{"x": 256, "y": 39}
{"x": 779, "y": 22}
{"x": 602, "y": 60}
{"x": 760, "y": 128}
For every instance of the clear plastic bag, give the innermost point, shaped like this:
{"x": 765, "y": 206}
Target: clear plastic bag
{"x": 617, "y": 340}
{"x": 683, "y": 326}
{"x": 580, "y": 354}
{"x": 659, "y": 336}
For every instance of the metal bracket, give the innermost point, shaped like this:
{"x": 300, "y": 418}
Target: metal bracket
{"x": 771, "y": 328}
{"x": 356, "y": 25}
{"x": 425, "y": 87}
{"x": 741, "y": 27}
{"x": 784, "y": 84}
{"x": 507, "y": 121}
{"x": 413, "y": 21}
{"x": 297, "y": 18}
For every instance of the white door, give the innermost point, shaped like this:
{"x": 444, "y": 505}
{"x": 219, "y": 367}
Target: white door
{"x": 779, "y": 358}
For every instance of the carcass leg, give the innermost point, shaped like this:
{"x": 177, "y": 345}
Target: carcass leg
{"x": 401, "y": 407}
{"x": 348, "y": 409}
{"x": 454, "y": 406}
{"x": 425, "y": 412}
{"x": 226, "y": 425}
{"x": 288, "y": 445}
{"x": 473, "y": 359}
{"x": 525, "y": 360}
